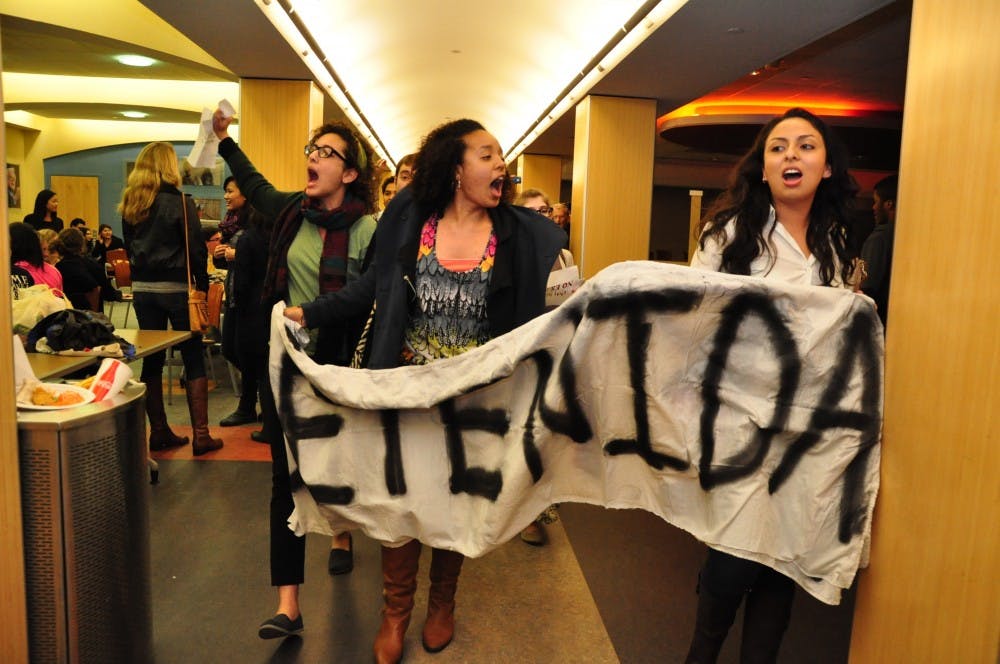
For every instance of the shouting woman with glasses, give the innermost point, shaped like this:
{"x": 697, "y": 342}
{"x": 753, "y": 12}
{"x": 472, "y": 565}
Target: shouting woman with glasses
{"x": 319, "y": 241}
{"x": 455, "y": 266}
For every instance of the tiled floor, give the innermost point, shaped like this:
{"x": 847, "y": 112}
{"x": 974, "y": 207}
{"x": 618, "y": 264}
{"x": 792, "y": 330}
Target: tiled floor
{"x": 612, "y": 586}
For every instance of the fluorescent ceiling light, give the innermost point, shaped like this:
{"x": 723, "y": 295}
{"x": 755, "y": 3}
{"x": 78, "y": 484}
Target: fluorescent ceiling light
{"x": 135, "y": 114}
{"x": 135, "y": 60}
{"x": 500, "y": 71}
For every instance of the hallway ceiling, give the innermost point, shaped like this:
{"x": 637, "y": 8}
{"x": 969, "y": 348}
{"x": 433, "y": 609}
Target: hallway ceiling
{"x": 852, "y": 52}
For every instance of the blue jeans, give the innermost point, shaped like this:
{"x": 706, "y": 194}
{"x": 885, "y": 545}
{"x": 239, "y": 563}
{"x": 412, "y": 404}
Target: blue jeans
{"x": 154, "y": 310}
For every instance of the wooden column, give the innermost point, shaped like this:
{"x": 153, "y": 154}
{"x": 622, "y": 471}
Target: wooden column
{"x": 13, "y": 609}
{"x": 612, "y": 181}
{"x": 543, "y": 172}
{"x": 694, "y": 220}
{"x": 276, "y": 119}
{"x": 930, "y": 594}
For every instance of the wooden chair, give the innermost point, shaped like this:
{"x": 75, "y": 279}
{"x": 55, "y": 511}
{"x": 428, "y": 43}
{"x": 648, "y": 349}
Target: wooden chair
{"x": 123, "y": 281}
{"x": 211, "y": 341}
{"x": 113, "y": 255}
{"x": 93, "y": 297}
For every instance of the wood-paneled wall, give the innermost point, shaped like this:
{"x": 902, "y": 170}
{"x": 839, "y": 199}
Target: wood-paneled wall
{"x": 612, "y": 181}
{"x": 542, "y": 172}
{"x": 931, "y": 592}
{"x": 78, "y": 197}
{"x": 276, "y": 119}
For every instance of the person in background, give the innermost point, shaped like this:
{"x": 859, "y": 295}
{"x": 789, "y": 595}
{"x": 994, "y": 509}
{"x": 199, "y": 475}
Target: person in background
{"x": 238, "y": 216}
{"x": 26, "y": 253}
{"x": 44, "y": 214}
{"x": 320, "y": 238}
{"x": 388, "y": 191}
{"x": 50, "y": 253}
{"x": 537, "y": 200}
{"x": 81, "y": 273}
{"x": 877, "y": 250}
{"x": 153, "y": 219}
{"x": 785, "y": 216}
{"x": 404, "y": 171}
{"x": 560, "y": 215}
{"x": 88, "y": 235}
{"x": 107, "y": 240}
{"x": 438, "y": 247}
{"x": 19, "y": 277}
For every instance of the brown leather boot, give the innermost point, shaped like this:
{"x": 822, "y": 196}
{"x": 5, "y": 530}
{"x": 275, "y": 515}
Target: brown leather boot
{"x": 160, "y": 435}
{"x": 197, "y": 396}
{"x": 399, "y": 583}
{"x": 440, "y": 626}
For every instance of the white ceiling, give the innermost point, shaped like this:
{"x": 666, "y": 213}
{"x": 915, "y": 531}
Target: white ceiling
{"x": 397, "y": 58}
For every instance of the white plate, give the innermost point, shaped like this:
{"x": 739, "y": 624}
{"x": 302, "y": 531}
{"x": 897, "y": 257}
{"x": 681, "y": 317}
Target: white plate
{"x": 59, "y": 388}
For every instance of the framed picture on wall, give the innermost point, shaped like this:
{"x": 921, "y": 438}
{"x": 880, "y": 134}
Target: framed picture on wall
{"x": 209, "y": 208}
{"x": 13, "y": 185}
{"x": 204, "y": 177}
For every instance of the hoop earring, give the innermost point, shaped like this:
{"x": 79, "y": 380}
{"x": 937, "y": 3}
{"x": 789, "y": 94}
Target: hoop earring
{"x": 458, "y": 183}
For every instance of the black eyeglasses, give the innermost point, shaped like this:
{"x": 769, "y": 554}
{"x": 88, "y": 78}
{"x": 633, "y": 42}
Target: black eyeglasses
{"x": 546, "y": 210}
{"x": 324, "y": 151}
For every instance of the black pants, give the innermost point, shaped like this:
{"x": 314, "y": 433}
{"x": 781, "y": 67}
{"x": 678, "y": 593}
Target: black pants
{"x": 288, "y": 551}
{"x": 723, "y": 583}
{"x": 153, "y": 311}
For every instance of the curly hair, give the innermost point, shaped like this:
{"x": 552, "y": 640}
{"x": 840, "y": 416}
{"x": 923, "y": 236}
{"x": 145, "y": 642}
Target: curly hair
{"x": 156, "y": 165}
{"x": 359, "y": 157}
{"x": 441, "y": 152}
{"x": 748, "y": 200}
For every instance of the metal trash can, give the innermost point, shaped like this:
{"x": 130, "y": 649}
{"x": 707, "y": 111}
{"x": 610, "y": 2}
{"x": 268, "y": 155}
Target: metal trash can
{"x": 85, "y": 506}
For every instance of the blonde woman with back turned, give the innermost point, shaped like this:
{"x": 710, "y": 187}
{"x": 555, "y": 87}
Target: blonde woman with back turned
{"x": 153, "y": 226}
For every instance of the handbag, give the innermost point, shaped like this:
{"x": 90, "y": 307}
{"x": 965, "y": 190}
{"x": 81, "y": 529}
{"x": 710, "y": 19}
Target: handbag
{"x": 197, "y": 300}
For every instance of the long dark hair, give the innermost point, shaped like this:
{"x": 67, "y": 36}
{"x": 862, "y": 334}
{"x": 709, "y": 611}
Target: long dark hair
{"x": 41, "y": 200}
{"x": 748, "y": 200}
{"x": 25, "y": 245}
{"x": 359, "y": 157}
{"x": 440, "y": 153}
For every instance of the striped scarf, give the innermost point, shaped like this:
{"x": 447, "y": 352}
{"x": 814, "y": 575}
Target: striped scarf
{"x": 333, "y": 260}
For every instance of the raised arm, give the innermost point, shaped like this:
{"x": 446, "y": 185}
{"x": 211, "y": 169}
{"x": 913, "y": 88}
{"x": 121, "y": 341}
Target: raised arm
{"x": 258, "y": 191}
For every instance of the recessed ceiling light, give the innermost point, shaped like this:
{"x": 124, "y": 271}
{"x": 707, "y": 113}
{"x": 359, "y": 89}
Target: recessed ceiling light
{"x": 135, "y": 114}
{"x": 135, "y": 60}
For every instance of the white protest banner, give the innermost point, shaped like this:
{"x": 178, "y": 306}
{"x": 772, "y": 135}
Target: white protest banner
{"x": 743, "y": 411}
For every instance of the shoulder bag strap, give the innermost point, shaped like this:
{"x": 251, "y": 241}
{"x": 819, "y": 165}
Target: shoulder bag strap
{"x": 187, "y": 245}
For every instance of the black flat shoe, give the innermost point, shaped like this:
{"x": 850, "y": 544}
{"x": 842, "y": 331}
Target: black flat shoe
{"x": 341, "y": 561}
{"x": 259, "y": 437}
{"x": 279, "y": 627}
{"x": 236, "y": 418}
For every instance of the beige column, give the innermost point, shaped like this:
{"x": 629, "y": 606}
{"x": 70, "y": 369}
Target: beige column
{"x": 276, "y": 118}
{"x": 612, "y": 181}
{"x": 542, "y": 172}
{"x": 694, "y": 220}
{"x": 931, "y": 592}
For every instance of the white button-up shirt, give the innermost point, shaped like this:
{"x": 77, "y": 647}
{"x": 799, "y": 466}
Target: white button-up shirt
{"x": 783, "y": 260}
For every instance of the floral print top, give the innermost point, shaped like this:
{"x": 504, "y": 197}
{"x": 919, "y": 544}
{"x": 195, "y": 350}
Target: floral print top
{"x": 451, "y": 317}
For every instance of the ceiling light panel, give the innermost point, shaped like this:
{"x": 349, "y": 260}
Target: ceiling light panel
{"x": 502, "y": 69}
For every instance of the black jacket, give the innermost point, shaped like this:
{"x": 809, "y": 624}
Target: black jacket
{"x": 39, "y": 223}
{"x": 81, "y": 274}
{"x": 527, "y": 247}
{"x": 156, "y": 246}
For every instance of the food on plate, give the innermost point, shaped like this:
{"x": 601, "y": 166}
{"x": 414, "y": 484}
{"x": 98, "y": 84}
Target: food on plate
{"x": 43, "y": 396}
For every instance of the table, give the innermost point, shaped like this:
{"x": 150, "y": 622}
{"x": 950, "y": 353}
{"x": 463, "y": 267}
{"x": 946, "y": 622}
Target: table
{"x": 48, "y": 367}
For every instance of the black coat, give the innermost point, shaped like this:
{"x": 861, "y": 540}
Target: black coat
{"x": 156, "y": 246}
{"x": 527, "y": 247}
{"x": 81, "y": 274}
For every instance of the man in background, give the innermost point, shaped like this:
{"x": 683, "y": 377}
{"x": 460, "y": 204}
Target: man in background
{"x": 877, "y": 250}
